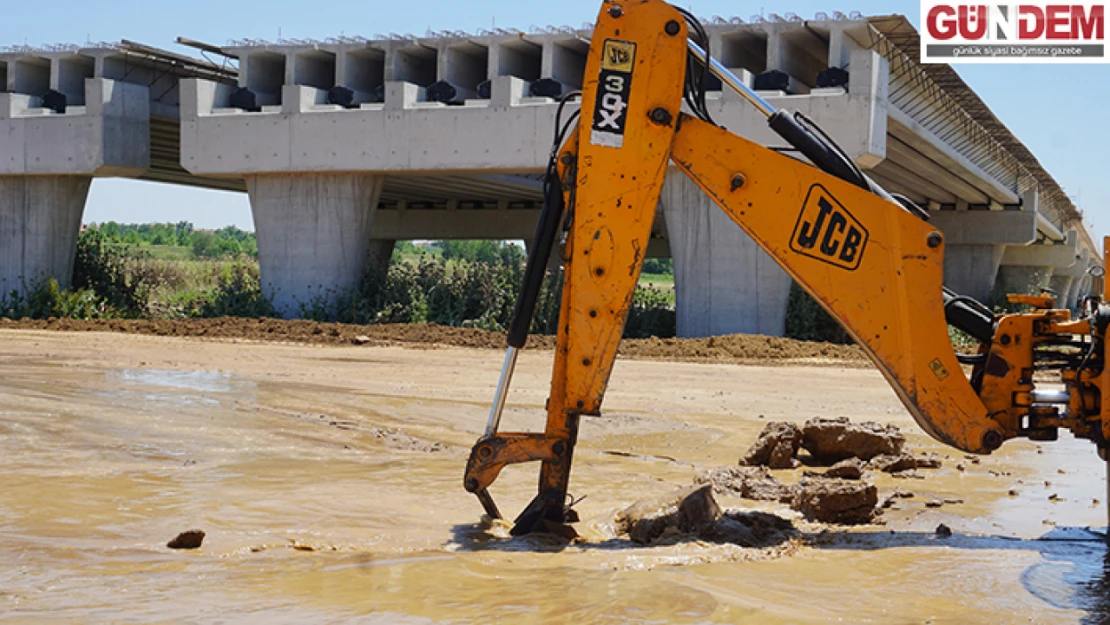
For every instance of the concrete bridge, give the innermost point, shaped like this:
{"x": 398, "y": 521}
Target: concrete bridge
{"x": 347, "y": 145}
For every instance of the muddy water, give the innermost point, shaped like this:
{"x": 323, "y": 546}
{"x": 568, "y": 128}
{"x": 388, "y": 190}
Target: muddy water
{"x": 328, "y": 482}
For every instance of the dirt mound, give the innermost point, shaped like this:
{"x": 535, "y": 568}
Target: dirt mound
{"x": 775, "y": 447}
{"x": 735, "y": 348}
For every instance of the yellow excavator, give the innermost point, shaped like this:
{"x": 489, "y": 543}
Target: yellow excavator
{"x": 870, "y": 259}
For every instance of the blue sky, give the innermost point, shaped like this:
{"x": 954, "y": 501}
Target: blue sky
{"x": 1056, "y": 110}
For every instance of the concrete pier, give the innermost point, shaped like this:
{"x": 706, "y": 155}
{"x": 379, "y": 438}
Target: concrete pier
{"x": 40, "y": 218}
{"x": 49, "y": 156}
{"x": 313, "y": 234}
{"x": 977, "y": 241}
{"x": 724, "y": 282}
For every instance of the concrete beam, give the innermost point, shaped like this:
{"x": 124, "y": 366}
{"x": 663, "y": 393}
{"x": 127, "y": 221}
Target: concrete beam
{"x": 951, "y": 185}
{"x": 507, "y": 134}
{"x": 924, "y": 141}
{"x": 981, "y": 227}
{"x": 1056, "y": 256}
{"x": 108, "y": 136}
{"x": 439, "y": 224}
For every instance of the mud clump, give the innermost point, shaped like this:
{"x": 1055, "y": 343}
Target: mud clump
{"x": 190, "y": 539}
{"x": 747, "y": 482}
{"x": 831, "y": 440}
{"x": 690, "y": 510}
{"x": 837, "y": 501}
{"x": 775, "y": 447}
{"x": 750, "y": 529}
{"x": 900, "y": 463}
{"x": 850, "y": 469}
{"x": 693, "y": 512}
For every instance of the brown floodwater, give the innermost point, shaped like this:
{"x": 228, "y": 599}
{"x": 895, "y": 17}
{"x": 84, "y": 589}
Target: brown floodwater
{"x": 328, "y": 481}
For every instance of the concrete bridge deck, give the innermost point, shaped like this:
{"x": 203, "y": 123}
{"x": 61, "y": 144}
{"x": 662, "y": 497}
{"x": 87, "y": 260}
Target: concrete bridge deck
{"x": 350, "y": 144}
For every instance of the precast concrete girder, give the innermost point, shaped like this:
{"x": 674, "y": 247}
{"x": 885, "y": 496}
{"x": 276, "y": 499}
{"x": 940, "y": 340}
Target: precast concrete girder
{"x": 922, "y": 140}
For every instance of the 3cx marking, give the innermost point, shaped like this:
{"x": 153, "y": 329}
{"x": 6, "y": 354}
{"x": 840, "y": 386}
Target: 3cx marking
{"x": 828, "y": 232}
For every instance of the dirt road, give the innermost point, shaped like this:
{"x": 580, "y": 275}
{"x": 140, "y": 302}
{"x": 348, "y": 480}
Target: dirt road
{"x": 328, "y": 480}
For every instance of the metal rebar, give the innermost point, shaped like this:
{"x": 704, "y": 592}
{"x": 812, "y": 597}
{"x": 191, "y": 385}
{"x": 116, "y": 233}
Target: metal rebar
{"x": 502, "y": 392}
{"x": 730, "y": 80}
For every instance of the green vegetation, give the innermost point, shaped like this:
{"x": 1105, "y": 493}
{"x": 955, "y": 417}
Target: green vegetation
{"x": 181, "y": 241}
{"x": 120, "y": 272}
{"x": 174, "y": 271}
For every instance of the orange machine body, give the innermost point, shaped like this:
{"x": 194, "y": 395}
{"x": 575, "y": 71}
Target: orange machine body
{"x": 872, "y": 264}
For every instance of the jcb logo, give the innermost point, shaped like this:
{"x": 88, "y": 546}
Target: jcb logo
{"x": 828, "y": 232}
{"x": 618, "y": 55}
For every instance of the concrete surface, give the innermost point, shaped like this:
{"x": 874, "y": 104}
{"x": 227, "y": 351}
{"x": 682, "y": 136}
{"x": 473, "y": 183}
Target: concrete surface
{"x": 313, "y": 234}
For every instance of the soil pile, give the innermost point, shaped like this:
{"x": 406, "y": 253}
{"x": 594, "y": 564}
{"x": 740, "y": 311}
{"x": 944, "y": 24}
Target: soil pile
{"x": 735, "y": 348}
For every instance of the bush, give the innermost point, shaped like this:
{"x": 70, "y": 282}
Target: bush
{"x": 807, "y": 321}
{"x": 101, "y": 265}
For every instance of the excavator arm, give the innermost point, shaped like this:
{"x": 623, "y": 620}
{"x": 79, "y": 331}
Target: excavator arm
{"x": 872, "y": 262}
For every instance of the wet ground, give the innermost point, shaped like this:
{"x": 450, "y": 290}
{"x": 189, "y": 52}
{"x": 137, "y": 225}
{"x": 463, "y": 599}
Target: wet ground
{"x": 328, "y": 480}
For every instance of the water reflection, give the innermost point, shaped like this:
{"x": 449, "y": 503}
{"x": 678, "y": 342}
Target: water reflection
{"x": 1094, "y": 595}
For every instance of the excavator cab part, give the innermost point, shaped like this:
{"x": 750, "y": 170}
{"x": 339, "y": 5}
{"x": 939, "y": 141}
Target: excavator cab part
{"x": 838, "y": 234}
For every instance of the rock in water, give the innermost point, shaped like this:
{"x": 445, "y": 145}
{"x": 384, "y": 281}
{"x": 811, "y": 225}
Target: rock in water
{"x": 751, "y": 529}
{"x": 689, "y": 510}
{"x": 187, "y": 540}
{"x": 832, "y": 440}
{"x": 836, "y": 501}
{"x": 775, "y": 447}
{"x": 747, "y": 482}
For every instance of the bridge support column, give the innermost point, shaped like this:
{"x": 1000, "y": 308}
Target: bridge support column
{"x": 313, "y": 234}
{"x": 379, "y": 255}
{"x": 1061, "y": 285}
{"x": 724, "y": 282}
{"x": 971, "y": 269}
{"x": 40, "y": 218}
{"x": 1030, "y": 268}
